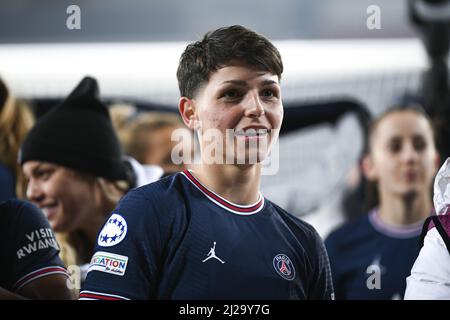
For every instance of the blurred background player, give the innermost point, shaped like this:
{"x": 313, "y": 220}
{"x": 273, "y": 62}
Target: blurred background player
{"x": 147, "y": 135}
{"x": 209, "y": 233}
{"x": 76, "y": 170}
{"x": 16, "y": 119}
{"x": 30, "y": 266}
{"x": 371, "y": 256}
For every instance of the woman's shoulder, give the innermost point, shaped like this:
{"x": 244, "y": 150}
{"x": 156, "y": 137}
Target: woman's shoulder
{"x": 295, "y": 223}
{"x": 163, "y": 188}
{"x": 17, "y": 208}
{"x": 158, "y": 197}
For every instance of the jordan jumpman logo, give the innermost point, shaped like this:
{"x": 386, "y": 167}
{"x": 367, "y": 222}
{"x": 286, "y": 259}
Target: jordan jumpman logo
{"x": 212, "y": 254}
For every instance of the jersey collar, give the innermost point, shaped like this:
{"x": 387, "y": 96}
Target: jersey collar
{"x": 402, "y": 232}
{"x": 222, "y": 202}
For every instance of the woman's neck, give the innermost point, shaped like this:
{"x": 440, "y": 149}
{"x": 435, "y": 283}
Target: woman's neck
{"x": 237, "y": 184}
{"x": 405, "y": 210}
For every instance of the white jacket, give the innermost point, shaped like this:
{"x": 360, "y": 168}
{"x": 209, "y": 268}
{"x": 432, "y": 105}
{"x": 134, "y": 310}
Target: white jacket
{"x": 430, "y": 274}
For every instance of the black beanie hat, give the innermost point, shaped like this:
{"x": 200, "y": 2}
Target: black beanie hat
{"x": 77, "y": 134}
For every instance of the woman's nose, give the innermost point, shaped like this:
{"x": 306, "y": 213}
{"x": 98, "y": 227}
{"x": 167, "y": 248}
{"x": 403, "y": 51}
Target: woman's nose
{"x": 34, "y": 192}
{"x": 254, "y": 107}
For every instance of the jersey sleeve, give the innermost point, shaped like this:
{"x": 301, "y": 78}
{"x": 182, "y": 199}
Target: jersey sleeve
{"x": 430, "y": 274}
{"x": 128, "y": 253}
{"x": 322, "y": 284}
{"x": 35, "y": 250}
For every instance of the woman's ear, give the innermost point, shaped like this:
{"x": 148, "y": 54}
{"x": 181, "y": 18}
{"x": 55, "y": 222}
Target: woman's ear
{"x": 368, "y": 168}
{"x": 188, "y": 112}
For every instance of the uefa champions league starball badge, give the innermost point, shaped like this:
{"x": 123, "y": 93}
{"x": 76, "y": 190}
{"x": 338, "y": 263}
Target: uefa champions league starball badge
{"x": 113, "y": 232}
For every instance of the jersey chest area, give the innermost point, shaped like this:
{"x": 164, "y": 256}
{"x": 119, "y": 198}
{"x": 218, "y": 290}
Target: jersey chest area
{"x": 225, "y": 255}
{"x": 377, "y": 269}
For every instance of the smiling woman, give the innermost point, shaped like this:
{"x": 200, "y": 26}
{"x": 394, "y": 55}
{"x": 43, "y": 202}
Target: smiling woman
{"x": 208, "y": 233}
{"x": 73, "y": 161}
{"x": 246, "y": 113}
{"x": 63, "y": 194}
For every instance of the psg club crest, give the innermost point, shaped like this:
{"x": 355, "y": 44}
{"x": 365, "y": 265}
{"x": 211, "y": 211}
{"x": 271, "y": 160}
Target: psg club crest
{"x": 284, "y": 266}
{"x": 113, "y": 232}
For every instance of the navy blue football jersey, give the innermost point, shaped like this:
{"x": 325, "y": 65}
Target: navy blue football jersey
{"x": 371, "y": 260}
{"x": 175, "y": 239}
{"x": 7, "y": 183}
{"x": 29, "y": 250}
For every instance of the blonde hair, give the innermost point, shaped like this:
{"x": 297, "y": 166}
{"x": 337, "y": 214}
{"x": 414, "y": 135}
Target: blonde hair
{"x": 113, "y": 190}
{"x": 16, "y": 119}
{"x": 72, "y": 244}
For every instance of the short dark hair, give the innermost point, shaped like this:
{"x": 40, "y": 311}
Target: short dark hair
{"x": 217, "y": 48}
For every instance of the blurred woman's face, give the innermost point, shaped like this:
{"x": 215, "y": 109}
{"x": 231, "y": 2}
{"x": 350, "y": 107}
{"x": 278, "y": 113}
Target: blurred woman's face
{"x": 66, "y": 197}
{"x": 160, "y": 148}
{"x": 403, "y": 157}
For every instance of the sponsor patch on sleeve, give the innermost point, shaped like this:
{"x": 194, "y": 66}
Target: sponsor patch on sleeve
{"x": 109, "y": 263}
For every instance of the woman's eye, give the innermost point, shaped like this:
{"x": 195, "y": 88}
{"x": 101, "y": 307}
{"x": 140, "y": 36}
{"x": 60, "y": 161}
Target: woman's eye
{"x": 45, "y": 174}
{"x": 268, "y": 93}
{"x": 419, "y": 144}
{"x": 394, "y": 147}
{"x": 231, "y": 94}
